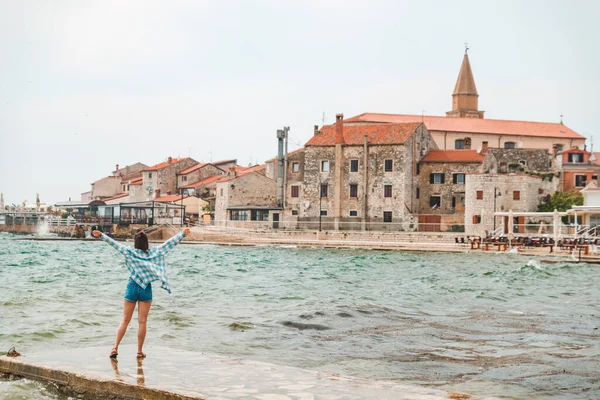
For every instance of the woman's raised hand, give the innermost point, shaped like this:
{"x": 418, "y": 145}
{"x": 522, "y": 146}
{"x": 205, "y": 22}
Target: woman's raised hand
{"x": 97, "y": 233}
{"x": 186, "y": 231}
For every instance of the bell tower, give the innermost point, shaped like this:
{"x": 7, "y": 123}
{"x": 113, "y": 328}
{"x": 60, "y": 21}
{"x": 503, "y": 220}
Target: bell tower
{"x": 465, "y": 102}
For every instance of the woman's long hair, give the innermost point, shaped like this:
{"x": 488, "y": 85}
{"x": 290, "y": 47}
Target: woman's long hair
{"x": 141, "y": 241}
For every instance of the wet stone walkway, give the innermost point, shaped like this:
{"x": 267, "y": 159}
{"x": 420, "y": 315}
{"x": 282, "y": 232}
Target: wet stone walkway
{"x": 195, "y": 375}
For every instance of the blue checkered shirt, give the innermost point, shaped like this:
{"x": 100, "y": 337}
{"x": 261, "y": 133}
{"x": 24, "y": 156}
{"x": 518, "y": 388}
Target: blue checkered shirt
{"x": 146, "y": 267}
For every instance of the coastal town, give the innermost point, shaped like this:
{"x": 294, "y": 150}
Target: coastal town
{"x": 460, "y": 173}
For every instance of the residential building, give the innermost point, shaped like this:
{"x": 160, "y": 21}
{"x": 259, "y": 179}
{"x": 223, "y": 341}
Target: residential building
{"x": 442, "y": 176}
{"x": 247, "y": 199}
{"x": 578, "y": 167}
{"x": 357, "y": 173}
{"x": 292, "y": 183}
{"x": 486, "y": 194}
{"x": 161, "y": 179}
{"x": 197, "y": 173}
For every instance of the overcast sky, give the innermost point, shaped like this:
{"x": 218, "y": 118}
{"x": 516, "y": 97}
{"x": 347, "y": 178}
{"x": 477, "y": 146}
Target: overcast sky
{"x": 85, "y": 85}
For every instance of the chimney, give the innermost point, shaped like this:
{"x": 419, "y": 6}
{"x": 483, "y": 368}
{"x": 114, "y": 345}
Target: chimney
{"x": 157, "y": 193}
{"x": 484, "y": 147}
{"x": 117, "y": 167}
{"x": 339, "y": 129}
{"x": 316, "y": 132}
{"x": 170, "y": 160}
{"x": 232, "y": 172}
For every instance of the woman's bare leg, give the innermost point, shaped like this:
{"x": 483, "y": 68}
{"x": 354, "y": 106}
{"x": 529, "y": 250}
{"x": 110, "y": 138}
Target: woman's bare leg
{"x": 128, "y": 308}
{"x": 143, "y": 310}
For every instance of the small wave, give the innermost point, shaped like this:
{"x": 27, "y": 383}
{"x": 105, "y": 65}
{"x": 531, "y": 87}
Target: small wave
{"x": 301, "y": 326}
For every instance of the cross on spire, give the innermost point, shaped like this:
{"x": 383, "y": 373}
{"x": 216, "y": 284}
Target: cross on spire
{"x": 466, "y": 47}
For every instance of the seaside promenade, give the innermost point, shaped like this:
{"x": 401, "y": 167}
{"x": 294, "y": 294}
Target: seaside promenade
{"x": 173, "y": 374}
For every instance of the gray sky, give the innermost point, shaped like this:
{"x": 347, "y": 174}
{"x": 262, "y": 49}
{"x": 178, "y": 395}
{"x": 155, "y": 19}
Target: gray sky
{"x": 86, "y": 85}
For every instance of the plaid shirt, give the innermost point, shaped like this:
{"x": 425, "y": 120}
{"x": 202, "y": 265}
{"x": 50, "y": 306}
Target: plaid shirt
{"x": 146, "y": 267}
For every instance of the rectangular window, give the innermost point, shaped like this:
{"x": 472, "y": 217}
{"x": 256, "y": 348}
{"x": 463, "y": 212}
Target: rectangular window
{"x": 436, "y": 177}
{"x": 389, "y": 165}
{"x": 294, "y": 212}
{"x": 295, "y": 191}
{"x": 323, "y": 213}
{"x": 387, "y": 190}
{"x": 459, "y": 144}
{"x": 149, "y": 175}
{"x": 353, "y": 190}
{"x": 184, "y": 178}
{"x": 353, "y": 165}
{"x": 387, "y": 216}
{"x": 458, "y": 179}
{"x": 453, "y": 202}
{"x": 435, "y": 201}
{"x": 324, "y": 190}
{"x": 259, "y": 215}
{"x": 295, "y": 167}
{"x": 476, "y": 219}
{"x": 353, "y": 213}
{"x": 480, "y": 195}
{"x": 516, "y": 195}
{"x": 221, "y": 192}
{"x": 509, "y": 145}
{"x": 575, "y": 157}
{"x": 418, "y": 169}
{"x": 239, "y": 215}
{"x": 324, "y": 166}
{"x": 418, "y": 193}
{"x": 580, "y": 180}
{"x": 594, "y": 178}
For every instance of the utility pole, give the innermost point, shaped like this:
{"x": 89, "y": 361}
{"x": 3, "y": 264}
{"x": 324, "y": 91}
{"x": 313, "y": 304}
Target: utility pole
{"x": 286, "y": 130}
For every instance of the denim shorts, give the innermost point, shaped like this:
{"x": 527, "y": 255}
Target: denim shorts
{"x": 134, "y": 292}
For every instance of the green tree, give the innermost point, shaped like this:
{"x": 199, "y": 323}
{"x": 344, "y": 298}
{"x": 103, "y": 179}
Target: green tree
{"x": 561, "y": 201}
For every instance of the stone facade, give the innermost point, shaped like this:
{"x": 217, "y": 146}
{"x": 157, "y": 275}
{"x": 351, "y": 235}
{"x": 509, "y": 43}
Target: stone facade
{"x": 162, "y": 178}
{"x": 205, "y": 171}
{"x": 489, "y": 193}
{"x": 362, "y": 194}
{"x": 106, "y": 187}
{"x": 451, "y": 191}
{"x": 498, "y": 161}
{"x": 246, "y": 192}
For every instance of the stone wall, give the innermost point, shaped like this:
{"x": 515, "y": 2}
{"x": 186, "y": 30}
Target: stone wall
{"x": 250, "y": 190}
{"x": 516, "y": 160}
{"x": 447, "y": 190}
{"x": 370, "y": 186}
{"x": 504, "y": 187}
{"x": 201, "y": 173}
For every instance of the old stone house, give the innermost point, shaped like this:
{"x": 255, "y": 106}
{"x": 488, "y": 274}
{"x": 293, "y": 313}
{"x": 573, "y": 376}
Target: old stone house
{"x": 442, "y": 177}
{"x": 292, "y": 184}
{"x": 197, "y": 173}
{"x": 161, "y": 179}
{"x": 486, "y": 194}
{"x": 464, "y": 127}
{"x": 362, "y": 176}
{"x": 247, "y": 199}
{"x": 502, "y": 161}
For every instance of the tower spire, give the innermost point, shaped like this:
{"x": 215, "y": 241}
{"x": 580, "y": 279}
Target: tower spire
{"x": 465, "y": 96}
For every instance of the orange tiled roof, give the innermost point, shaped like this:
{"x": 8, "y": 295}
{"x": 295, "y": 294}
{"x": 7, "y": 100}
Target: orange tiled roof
{"x": 453, "y": 156}
{"x": 475, "y": 125}
{"x": 169, "y": 198}
{"x": 137, "y": 181}
{"x": 289, "y": 153}
{"x": 575, "y": 150}
{"x": 241, "y": 171}
{"x": 203, "y": 182}
{"x": 117, "y": 196}
{"x": 223, "y": 162}
{"x": 191, "y": 169}
{"x": 377, "y": 133}
{"x": 163, "y": 164}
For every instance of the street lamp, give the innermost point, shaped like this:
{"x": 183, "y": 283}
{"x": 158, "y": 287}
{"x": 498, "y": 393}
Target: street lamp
{"x": 496, "y": 194}
{"x": 320, "y": 202}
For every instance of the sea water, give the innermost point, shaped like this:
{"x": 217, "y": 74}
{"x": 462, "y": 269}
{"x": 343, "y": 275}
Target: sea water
{"x": 486, "y": 324}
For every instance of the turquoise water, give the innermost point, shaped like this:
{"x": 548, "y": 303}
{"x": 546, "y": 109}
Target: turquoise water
{"x": 486, "y": 324}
